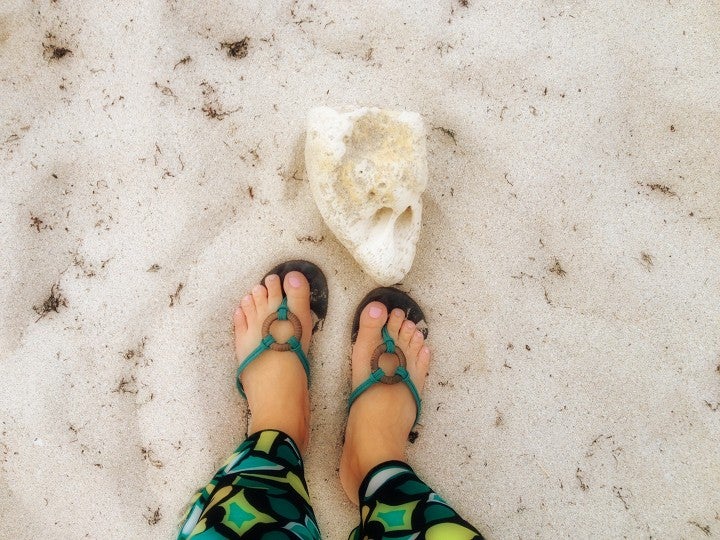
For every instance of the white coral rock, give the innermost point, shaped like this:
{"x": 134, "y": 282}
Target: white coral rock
{"x": 367, "y": 170}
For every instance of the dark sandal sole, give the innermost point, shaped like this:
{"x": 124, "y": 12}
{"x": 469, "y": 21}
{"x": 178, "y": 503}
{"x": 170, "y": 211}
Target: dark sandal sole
{"x": 391, "y": 298}
{"x": 318, "y": 285}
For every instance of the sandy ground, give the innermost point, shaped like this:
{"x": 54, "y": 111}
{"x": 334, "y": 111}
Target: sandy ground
{"x": 151, "y": 171}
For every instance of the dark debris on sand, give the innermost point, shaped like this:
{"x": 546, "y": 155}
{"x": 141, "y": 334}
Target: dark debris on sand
{"x": 51, "y": 51}
{"x": 51, "y": 303}
{"x": 237, "y": 49}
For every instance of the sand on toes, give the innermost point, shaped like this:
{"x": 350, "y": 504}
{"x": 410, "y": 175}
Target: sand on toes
{"x": 380, "y": 420}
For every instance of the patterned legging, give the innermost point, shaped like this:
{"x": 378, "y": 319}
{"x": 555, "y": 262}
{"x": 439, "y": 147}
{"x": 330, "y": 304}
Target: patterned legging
{"x": 261, "y": 491}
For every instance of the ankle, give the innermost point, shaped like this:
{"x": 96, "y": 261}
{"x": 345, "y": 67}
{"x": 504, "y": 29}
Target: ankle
{"x": 371, "y": 447}
{"x": 296, "y": 430}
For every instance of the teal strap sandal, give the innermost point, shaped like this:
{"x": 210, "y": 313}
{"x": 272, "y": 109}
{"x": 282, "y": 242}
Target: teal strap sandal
{"x": 392, "y": 298}
{"x": 318, "y": 305}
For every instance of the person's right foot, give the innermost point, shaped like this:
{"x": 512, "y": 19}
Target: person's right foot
{"x": 381, "y": 418}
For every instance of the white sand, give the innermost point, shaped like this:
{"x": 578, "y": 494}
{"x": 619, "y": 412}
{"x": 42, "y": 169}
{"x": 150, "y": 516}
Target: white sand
{"x": 569, "y": 261}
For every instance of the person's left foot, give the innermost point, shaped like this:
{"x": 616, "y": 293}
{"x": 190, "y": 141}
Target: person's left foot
{"x": 275, "y": 383}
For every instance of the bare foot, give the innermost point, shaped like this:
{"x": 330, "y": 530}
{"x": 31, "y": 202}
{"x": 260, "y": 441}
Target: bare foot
{"x": 381, "y": 418}
{"x": 275, "y": 383}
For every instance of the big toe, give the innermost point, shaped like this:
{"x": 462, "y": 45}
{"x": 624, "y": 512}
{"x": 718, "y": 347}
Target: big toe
{"x": 297, "y": 290}
{"x": 274, "y": 290}
{"x": 372, "y": 319}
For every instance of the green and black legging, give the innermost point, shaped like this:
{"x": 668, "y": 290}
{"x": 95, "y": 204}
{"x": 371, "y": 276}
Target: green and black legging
{"x": 261, "y": 493}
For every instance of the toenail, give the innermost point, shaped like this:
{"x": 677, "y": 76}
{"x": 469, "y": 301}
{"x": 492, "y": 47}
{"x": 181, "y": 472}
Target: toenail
{"x": 426, "y": 350}
{"x": 247, "y": 299}
{"x": 257, "y": 289}
{"x": 294, "y": 281}
{"x": 272, "y": 277}
{"x": 375, "y": 312}
{"x": 398, "y": 313}
{"x": 418, "y": 335}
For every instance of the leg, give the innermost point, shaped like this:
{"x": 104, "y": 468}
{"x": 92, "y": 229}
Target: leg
{"x": 261, "y": 487}
{"x": 394, "y": 503}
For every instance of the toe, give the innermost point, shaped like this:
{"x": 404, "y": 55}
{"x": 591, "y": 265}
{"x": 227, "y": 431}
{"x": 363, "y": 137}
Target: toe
{"x": 297, "y": 290}
{"x": 416, "y": 341}
{"x": 239, "y": 321}
{"x": 423, "y": 360}
{"x": 397, "y": 316}
{"x": 406, "y": 332}
{"x": 274, "y": 291}
{"x": 248, "y": 306}
{"x": 420, "y": 368}
{"x": 260, "y": 296}
{"x": 372, "y": 318}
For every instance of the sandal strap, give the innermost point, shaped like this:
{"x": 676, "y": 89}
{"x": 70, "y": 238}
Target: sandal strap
{"x": 378, "y": 375}
{"x": 266, "y": 343}
{"x": 389, "y": 342}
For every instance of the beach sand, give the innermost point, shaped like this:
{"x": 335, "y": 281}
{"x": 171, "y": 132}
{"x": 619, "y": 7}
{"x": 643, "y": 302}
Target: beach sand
{"x": 151, "y": 168}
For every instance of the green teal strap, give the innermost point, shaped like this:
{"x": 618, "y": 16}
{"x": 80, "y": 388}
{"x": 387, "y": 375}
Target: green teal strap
{"x": 413, "y": 389}
{"x": 375, "y": 378}
{"x": 282, "y": 311}
{"x": 389, "y": 343}
{"x": 268, "y": 340}
{"x": 264, "y": 346}
{"x": 296, "y": 347}
{"x": 372, "y": 379}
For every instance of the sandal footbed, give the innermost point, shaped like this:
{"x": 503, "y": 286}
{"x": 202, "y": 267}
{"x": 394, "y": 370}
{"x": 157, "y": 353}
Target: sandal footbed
{"x": 391, "y": 298}
{"x": 318, "y": 284}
